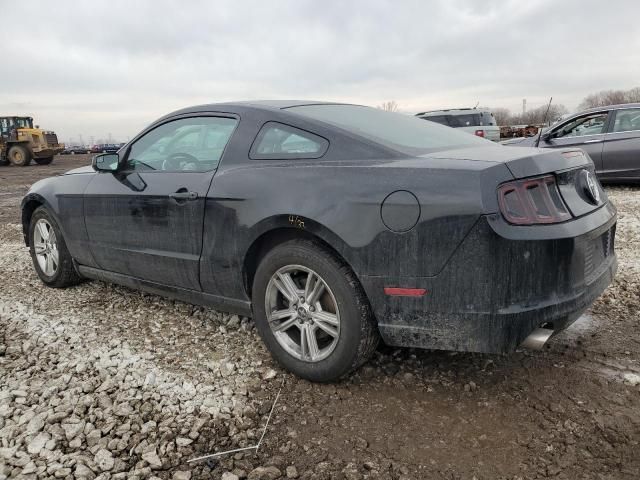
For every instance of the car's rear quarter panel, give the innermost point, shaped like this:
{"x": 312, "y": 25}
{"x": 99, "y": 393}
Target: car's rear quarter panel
{"x": 339, "y": 202}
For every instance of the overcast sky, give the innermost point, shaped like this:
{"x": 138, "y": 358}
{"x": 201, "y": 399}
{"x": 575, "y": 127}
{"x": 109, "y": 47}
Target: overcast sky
{"x": 100, "y": 67}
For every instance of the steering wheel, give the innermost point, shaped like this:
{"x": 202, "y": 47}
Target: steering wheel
{"x": 176, "y": 161}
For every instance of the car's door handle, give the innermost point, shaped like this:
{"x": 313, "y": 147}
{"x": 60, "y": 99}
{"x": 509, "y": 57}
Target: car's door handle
{"x": 594, "y": 141}
{"x": 183, "y": 194}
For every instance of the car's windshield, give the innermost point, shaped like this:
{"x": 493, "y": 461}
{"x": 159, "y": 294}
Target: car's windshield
{"x": 406, "y": 134}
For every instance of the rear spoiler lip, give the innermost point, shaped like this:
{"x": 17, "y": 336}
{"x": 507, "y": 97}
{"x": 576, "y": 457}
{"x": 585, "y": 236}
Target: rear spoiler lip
{"x": 550, "y": 161}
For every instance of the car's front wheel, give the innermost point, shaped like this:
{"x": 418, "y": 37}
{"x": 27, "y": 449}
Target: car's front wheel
{"x": 51, "y": 259}
{"x": 311, "y": 312}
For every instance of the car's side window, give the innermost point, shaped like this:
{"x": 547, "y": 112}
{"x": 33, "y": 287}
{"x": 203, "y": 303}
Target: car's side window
{"x": 278, "y": 141}
{"x": 182, "y": 145}
{"x": 592, "y": 124}
{"x": 627, "y": 120}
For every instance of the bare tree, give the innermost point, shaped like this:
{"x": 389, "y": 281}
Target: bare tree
{"x": 502, "y": 115}
{"x": 538, "y": 115}
{"x": 633, "y": 95}
{"x": 605, "y": 97}
{"x": 390, "y": 106}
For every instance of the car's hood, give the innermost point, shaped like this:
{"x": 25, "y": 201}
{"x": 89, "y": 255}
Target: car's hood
{"x": 80, "y": 170}
{"x": 522, "y": 162}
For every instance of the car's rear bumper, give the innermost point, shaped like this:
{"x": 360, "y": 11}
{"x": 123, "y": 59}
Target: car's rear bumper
{"x": 495, "y": 291}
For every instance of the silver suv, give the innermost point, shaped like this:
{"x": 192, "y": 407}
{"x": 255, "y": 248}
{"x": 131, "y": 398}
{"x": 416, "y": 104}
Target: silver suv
{"x": 478, "y": 122}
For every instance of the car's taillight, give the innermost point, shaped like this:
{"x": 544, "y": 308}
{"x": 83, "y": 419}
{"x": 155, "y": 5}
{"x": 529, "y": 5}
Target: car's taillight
{"x": 480, "y": 133}
{"x": 531, "y": 201}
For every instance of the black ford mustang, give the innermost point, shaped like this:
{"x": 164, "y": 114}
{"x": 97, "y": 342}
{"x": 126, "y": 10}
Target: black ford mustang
{"x": 334, "y": 225}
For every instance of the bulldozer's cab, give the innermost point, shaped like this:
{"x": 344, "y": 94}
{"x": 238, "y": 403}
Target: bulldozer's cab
{"x": 12, "y": 123}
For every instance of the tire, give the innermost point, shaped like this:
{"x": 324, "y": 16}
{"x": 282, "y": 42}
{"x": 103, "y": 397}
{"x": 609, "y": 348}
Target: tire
{"x": 352, "y": 341}
{"x": 64, "y": 274}
{"x": 44, "y": 161}
{"x": 19, "y": 156}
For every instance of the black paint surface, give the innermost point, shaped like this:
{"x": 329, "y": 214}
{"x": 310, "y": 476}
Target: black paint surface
{"x": 489, "y": 284}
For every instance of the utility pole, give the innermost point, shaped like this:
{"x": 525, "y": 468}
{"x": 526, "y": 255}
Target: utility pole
{"x": 524, "y": 106}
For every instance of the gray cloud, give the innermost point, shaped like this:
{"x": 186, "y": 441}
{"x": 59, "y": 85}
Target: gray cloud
{"x": 113, "y": 66}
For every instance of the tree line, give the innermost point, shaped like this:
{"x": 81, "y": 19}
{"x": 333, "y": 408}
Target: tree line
{"x": 537, "y": 115}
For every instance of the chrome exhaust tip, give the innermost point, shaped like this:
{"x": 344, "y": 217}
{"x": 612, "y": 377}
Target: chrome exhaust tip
{"x": 537, "y": 338}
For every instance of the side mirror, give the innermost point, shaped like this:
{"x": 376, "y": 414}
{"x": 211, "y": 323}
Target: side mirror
{"x": 546, "y": 136}
{"x": 106, "y": 162}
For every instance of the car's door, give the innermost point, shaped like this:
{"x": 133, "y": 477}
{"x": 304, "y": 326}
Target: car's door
{"x": 621, "y": 154}
{"x": 586, "y": 131}
{"x": 145, "y": 220}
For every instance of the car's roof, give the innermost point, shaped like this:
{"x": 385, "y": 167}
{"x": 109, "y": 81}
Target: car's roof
{"x": 609, "y": 107}
{"x": 241, "y": 106}
{"x": 269, "y": 104}
{"x": 279, "y": 104}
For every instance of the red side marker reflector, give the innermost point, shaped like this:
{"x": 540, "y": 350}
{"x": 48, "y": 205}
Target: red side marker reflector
{"x": 404, "y": 292}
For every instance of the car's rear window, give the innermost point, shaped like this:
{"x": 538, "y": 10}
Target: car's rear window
{"x": 404, "y": 133}
{"x": 441, "y": 119}
{"x": 478, "y": 119}
{"x": 466, "y": 120}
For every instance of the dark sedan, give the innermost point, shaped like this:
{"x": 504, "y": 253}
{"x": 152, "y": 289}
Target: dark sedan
{"x": 105, "y": 147}
{"x": 334, "y": 225}
{"x": 610, "y": 135}
{"x": 75, "y": 150}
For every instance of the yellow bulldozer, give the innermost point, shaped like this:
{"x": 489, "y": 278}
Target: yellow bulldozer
{"x": 21, "y": 142}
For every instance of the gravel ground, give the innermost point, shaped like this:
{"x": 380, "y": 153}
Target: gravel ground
{"x": 100, "y": 381}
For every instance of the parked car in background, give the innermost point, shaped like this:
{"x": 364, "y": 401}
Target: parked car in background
{"x": 76, "y": 150}
{"x": 333, "y": 226}
{"x": 106, "y": 148}
{"x": 610, "y": 135}
{"x": 478, "y": 122}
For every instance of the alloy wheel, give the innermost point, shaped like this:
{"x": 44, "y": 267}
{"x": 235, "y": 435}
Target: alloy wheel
{"x": 302, "y": 313}
{"x": 45, "y": 246}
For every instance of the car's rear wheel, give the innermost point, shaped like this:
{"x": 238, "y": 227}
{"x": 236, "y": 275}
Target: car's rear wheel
{"x": 311, "y": 312}
{"x": 44, "y": 161}
{"x": 19, "y": 156}
{"x": 51, "y": 259}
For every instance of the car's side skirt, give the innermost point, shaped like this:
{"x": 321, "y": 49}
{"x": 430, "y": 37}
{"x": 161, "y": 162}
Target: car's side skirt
{"x": 232, "y": 305}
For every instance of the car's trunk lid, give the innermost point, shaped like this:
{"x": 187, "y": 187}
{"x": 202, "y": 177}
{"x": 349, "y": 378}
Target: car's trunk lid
{"x": 522, "y": 162}
{"x": 570, "y": 167}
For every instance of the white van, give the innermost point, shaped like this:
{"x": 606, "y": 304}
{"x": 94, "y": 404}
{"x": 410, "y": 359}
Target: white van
{"x": 477, "y": 122}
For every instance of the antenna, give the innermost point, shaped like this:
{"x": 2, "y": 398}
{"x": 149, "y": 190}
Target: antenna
{"x": 543, "y": 122}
